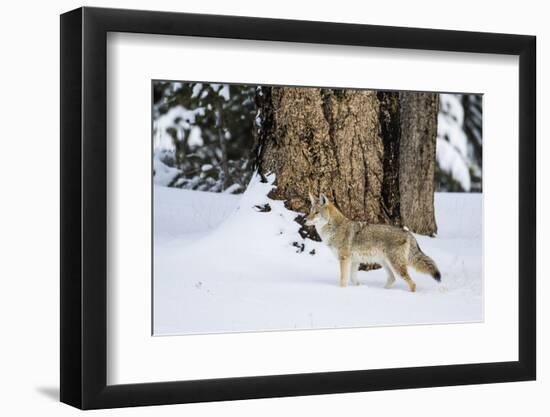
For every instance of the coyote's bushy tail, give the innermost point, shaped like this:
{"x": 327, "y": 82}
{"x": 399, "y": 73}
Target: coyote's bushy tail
{"x": 423, "y": 263}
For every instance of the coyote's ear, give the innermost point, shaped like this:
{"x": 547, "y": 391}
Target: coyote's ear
{"x": 323, "y": 199}
{"x": 312, "y": 199}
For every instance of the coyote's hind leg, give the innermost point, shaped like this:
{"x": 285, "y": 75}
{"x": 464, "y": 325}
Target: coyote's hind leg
{"x": 391, "y": 277}
{"x": 401, "y": 270}
{"x": 353, "y": 275}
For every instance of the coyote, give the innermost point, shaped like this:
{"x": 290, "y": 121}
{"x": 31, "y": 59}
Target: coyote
{"x": 354, "y": 242}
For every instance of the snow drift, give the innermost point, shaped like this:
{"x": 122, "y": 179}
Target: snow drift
{"x": 222, "y": 263}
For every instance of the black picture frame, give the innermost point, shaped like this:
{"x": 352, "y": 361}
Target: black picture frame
{"x": 84, "y": 207}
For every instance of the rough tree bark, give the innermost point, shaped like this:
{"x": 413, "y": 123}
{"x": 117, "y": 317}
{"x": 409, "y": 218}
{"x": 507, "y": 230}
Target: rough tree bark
{"x": 350, "y": 144}
{"x": 417, "y": 160}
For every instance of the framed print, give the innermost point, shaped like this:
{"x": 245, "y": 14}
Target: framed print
{"x": 256, "y": 208}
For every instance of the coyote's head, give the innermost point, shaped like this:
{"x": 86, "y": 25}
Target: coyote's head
{"x": 319, "y": 212}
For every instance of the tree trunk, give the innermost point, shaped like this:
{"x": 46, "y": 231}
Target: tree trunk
{"x": 223, "y": 147}
{"x": 348, "y": 145}
{"x": 417, "y": 160}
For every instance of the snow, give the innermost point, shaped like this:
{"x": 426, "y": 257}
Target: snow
{"x": 224, "y": 92}
{"x": 221, "y": 265}
{"x": 450, "y": 104}
{"x": 452, "y": 142}
{"x": 195, "y": 137}
{"x": 232, "y": 188}
{"x": 179, "y": 117}
{"x": 197, "y": 88}
{"x": 450, "y": 160}
{"x": 164, "y": 174}
{"x": 453, "y": 132}
{"x": 180, "y": 214}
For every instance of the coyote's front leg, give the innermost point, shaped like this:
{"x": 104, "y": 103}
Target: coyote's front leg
{"x": 345, "y": 267}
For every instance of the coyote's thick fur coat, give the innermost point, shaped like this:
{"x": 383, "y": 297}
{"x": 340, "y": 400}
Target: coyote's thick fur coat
{"x": 355, "y": 242}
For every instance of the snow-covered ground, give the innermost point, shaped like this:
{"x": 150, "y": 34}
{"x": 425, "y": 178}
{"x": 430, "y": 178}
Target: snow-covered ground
{"x": 221, "y": 265}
